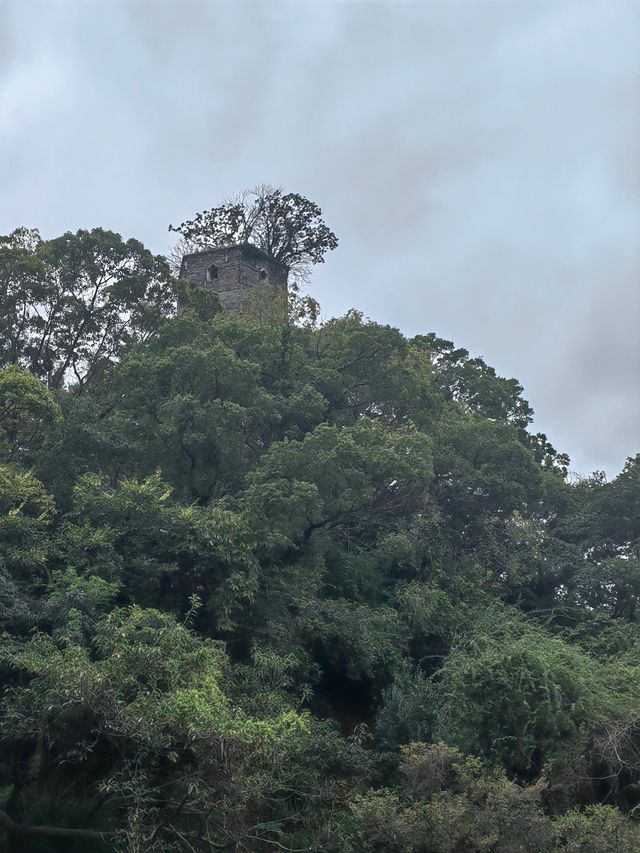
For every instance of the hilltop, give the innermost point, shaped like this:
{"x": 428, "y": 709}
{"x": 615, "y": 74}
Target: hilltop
{"x": 272, "y": 584}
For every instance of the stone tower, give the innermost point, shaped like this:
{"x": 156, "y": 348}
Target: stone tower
{"x": 231, "y": 272}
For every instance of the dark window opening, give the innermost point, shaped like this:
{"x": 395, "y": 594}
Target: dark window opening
{"x": 212, "y": 272}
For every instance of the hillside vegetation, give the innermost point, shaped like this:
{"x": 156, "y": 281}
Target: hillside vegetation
{"x": 269, "y": 583}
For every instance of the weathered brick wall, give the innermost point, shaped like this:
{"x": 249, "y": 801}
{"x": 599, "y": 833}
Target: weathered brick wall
{"x": 238, "y": 270}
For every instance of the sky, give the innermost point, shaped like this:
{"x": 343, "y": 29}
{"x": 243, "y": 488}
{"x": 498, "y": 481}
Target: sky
{"x": 479, "y": 162}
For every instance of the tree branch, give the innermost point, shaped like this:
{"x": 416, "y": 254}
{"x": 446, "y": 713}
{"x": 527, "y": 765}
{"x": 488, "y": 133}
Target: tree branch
{"x": 59, "y": 831}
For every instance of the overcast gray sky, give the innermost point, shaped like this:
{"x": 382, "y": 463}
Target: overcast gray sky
{"x": 479, "y": 161}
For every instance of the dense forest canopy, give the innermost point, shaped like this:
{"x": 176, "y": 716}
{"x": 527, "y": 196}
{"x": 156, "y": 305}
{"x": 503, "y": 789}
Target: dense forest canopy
{"x": 272, "y": 584}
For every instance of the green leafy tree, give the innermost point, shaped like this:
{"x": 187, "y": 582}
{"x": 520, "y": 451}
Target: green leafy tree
{"x": 71, "y": 305}
{"x": 26, "y": 513}
{"x": 253, "y": 569}
{"x": 517, "y": 696}
{"x": 286, "y": 226}
{"x": 27, "y": 409}
{"x": 129, "y": 724}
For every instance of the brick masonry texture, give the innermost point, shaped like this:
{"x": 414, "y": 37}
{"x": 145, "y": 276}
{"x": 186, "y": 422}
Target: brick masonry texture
{"x": 236, "y": 270}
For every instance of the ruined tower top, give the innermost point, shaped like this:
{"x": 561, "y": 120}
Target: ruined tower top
{"x": 232, "y": 271}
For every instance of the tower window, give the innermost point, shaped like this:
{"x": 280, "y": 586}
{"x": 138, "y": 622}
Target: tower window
{"x": 263, "y": 274}
{"x": 212, "y": 272}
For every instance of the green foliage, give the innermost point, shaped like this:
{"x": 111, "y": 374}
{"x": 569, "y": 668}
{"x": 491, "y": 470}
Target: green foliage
{"x": 517, "y": 696}
{"x": 596, "y": 829}
{"x": 26, "y": 408}
{"x": 26, "y": 512}
{"x": 356, "y": 639}
{"x": 158, "y": 551}
{"x": 269, "y": 583}
{"x": 284, "y": 226}
{"x": 70, "y": 306}
{"x": 448, "y": 803}
{"x": 360, "y": 474}
{"x": 150, "y": 702}
{"x": 408, "y": 710}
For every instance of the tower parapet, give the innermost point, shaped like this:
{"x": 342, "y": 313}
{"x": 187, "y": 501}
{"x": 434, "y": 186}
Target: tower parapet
{"x": 232, "y": 272}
